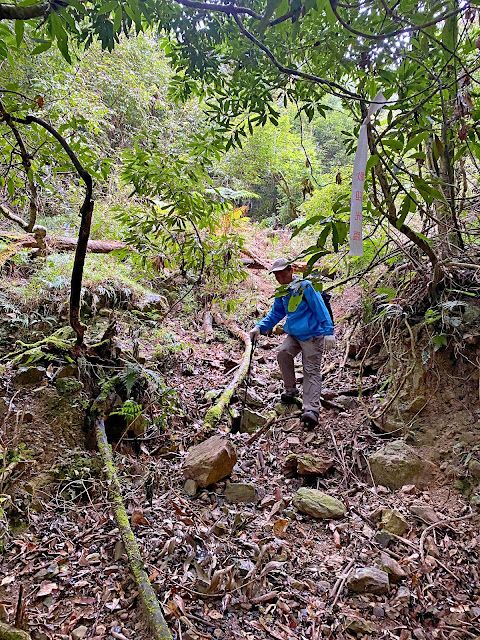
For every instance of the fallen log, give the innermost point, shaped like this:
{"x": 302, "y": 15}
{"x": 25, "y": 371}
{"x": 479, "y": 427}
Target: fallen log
{"x": 214, "y": 414}
{"x": 153, "y": 611}
{"x": 106, "y": 246}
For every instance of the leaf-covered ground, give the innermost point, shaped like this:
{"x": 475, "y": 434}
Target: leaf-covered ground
{"x": 251, "y": 570}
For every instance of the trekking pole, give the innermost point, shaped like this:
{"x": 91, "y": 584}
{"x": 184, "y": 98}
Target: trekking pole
{"x": 247, "y": 381}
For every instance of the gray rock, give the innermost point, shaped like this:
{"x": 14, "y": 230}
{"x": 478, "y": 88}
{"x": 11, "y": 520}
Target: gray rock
{"x": 210, "y": 461}
{"x": 68, "y": 371}
{"x": 391, "y": 566}
{"x": 397, "y": 464}
{"x": 29, "y": 375}
{"x": 346, "y": 401}
{"x": 251, "y": 421}
{"x": 80, "y": 632}
{"x": 153, "y": 302}
{"x": 252, "y": 399}
{"x": 239, "y": 492}
{"x": 474, "y": 468}
{"x": 68, "y": 386}
{"x": 403, "y": 595}
{"x": 394, "y": 522}
{"x": 425, "y": 512}
{"x": 471, "y": 315}
{"x": 369, "y": 580}
{"x": 318, "y": 504}
{"x": 190, "y": 487}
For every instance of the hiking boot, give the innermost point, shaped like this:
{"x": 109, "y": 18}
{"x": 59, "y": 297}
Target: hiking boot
{"x": 290, "y": 396}
{"x": 309, "y": 419}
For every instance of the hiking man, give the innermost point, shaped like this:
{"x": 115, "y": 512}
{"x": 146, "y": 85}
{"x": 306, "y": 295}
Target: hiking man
{"x": 310, "y": 330}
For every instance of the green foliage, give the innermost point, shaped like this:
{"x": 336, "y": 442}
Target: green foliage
{"x": 130, "y": 410}
{"x": 184, "y": 221}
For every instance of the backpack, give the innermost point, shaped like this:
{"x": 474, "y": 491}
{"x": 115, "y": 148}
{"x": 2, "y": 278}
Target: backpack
{"x": 326, "y": 298}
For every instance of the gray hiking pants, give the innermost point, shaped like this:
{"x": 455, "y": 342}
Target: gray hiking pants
{"x": 312, "y": 351}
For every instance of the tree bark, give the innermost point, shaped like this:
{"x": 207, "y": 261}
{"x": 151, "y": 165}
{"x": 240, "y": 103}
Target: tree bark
{"x": 14, "y": 12}
{"x": 153, "y": 611}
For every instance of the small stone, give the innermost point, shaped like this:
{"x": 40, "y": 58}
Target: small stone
{"x": 356, "y": 624}
{"x": 378, "y": 612}
{"x": 391, "y": 566}
{"x": 190, "y": 487}
{"x": 80, "y": 632}
{"x": 239, "y": 492}
{"x": 369, "y": 580}
{"x": 251, "y": 421}
{"x": 29, "y": 375}
{"x": 118, "y": 551}
{"x": 68, "y": 371}
{"x": 403, "y": 595}
{"x": 394, "y": 522}
{"x": 220, "y": 528}
{"x": 409, "y": 489}
{"x": 68, "y": 386}
{"x": 383, "y": 538}
{"x": 252, "y": 399}
{"x": 244, "y": 567}
{"x": 425, "y": 512}
{"x": 347, "y": 402}
{"x": 308, "y": 465}
{"x": 318, "y": 504}
{"x": 210, "y": 461}
{"x": 474, "y": 468}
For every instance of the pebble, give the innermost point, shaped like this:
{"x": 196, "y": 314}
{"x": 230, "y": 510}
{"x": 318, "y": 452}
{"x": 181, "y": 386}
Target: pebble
{"x": 378, "y": 612}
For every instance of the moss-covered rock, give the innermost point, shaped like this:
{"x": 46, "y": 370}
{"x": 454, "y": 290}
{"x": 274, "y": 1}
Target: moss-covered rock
{"x": 29, "y": 375}
{"x": 318, "y": 504}
{"x": 68, "y": 386}
{"x": 397, "y": 464}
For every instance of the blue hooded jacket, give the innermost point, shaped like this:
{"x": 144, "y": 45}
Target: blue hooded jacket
{"x": 309, "y": 319}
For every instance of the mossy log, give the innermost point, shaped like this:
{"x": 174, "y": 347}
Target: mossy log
{"x": 153, "y": 611}
{"x": 8, "y": 632}
{"x": 214, "y": 414}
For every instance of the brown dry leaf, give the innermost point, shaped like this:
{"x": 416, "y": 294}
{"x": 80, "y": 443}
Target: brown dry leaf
{"x": 138, "y": 519}
{"x": 280, "y": 527}
{"x": 46, "y": 589}
{"x": 178, "y": 600}
{"x": 215, "y": 615}
{"x": 7, "y": 580}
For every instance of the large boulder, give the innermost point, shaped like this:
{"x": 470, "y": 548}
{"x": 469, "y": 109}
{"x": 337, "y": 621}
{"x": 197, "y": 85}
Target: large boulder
{"x": 397, "y": 464}
{"x": 210, "y": 461}
{"x": 318, "y": 504}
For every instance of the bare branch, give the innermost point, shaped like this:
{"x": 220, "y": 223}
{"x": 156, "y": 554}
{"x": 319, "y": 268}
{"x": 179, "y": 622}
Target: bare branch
{"x": 335, "y": 88}
{"x": 27, "y": 165}
{"x": 397, "y": 32}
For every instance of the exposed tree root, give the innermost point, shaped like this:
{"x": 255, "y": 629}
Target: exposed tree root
{"x": 153, "y": 611}
{"x": 214, "y": 414}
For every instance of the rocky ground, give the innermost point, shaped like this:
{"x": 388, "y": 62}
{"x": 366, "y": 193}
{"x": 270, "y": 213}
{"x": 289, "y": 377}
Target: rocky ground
{"x": 337, "y": 533}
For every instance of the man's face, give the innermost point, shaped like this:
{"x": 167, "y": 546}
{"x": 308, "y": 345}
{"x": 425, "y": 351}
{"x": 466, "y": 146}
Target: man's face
{"x": 285, "y": 276}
